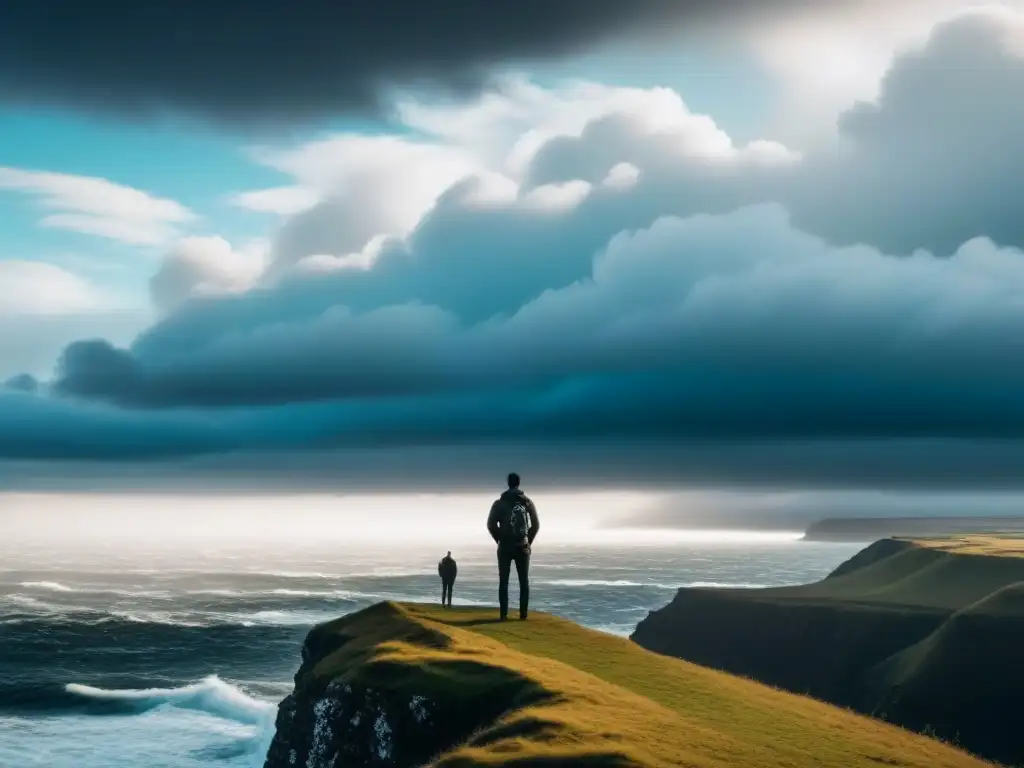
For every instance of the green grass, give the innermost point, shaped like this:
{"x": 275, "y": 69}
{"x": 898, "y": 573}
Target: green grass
{"x": 922, "y": 632}
{"x": 548, "y": 692}
{"x": 948, "y": 573}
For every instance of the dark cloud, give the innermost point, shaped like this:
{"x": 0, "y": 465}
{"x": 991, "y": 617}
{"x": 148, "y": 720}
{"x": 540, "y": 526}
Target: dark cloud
{"x": 654, "y": 332}
{"x": 43, "y": 428}
{"x": 785, "y": 509}
{"x": 31, "y": 343}
{"x": 733, "y": 327}
{"x": 896, "y": 465}
{"x": 23, "y": 382}
{"x": 273, "y": 60}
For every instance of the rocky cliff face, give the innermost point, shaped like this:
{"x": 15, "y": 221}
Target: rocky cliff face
{"x": 379, "y": 689}
{"x": 340, "y": 725}
{"x": 808, "y": 647}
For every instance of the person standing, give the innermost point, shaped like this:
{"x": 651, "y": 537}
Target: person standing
{"x": 447, "y": 569}
{"x": 513, "y": 524}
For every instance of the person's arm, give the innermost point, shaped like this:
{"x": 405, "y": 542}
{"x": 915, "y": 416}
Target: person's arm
{"x": 440, "y": 568}
{"x": 492, "y": 522}
{"x": 534, "y": 520}
{"x": 455, "y": 570}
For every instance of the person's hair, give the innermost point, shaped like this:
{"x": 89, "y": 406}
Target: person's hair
{"x": 513, "y": 480}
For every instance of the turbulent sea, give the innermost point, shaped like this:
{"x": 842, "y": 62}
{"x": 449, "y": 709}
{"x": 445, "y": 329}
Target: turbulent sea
{"x": 132, "y": 657}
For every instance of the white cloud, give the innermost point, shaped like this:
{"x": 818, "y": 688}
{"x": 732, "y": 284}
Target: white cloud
{"x": 98, "y": 206}
{"x": 622, "y": 176}
{"x": 493, "y": 244}
{"x": 506, "y": 128}
{"x": 43, "y": 308}
{"x": 205, "y": 266}
{"x": 38, "y": 288}
{"x": 372, "y": 186}
{"x": 828, "y": 59}
{"x": 598, "y": 159}
{"x": 284, "y": 201}
{"x": 363, "y": 186}
{"x": 325, "y": 262}
{"x": 557, "y": 197}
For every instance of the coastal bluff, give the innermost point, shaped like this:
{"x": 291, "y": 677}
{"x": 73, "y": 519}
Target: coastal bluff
{"x": 403, "y": 685}
{"x": 924, "y": 633}
{"x": 865, "y": 529}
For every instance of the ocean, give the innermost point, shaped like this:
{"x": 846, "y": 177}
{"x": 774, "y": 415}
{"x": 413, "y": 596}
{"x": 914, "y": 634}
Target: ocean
{"x": 169, "y": 657}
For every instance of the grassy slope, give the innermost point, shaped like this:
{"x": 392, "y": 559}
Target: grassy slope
{"x": 585, "y": 698}
{"x": 965, "y": 680}
{"x": 924, "y": 632}
{"x": 1002, "y": 545}
{"x": 948, "y": 573}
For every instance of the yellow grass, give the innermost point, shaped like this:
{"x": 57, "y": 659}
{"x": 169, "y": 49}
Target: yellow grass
{"x": 1002, "y": 545}
{"x": 585, "y": 698}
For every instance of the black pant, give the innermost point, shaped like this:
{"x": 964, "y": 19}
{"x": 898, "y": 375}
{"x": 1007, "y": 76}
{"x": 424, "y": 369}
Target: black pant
{"x": 521, "y": 557}
{"x": 446, "y": 591}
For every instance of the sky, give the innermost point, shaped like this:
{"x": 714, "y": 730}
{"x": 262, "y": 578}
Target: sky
{"x": 772, "y": 245}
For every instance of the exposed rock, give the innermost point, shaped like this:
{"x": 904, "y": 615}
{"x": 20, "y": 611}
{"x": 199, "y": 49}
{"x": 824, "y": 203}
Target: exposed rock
{"x": 354, "y": 705}
{"x": 345, "y": 725}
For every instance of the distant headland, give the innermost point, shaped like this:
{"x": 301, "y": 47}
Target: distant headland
{"x": 868, "y": 529}
{"x": 924, "y": 633}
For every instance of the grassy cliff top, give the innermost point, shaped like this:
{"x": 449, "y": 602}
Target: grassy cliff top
{"x": 556, "y": 694}
{"x": 1002, "y": 545}
{"x": 945, "y": 573}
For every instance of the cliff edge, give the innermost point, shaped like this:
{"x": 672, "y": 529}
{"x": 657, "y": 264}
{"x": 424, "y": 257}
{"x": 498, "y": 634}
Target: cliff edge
{"x": 927, "y": 634}
{"x": 404, "y": 685}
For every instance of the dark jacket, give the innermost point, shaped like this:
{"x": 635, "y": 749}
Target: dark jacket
{"x": 447, "y": 569}
{"x": 497, "y": 520}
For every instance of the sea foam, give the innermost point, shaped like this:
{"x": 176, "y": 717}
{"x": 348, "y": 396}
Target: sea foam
{"x": 51, "y": 586}
{"x": 211, "y": 695}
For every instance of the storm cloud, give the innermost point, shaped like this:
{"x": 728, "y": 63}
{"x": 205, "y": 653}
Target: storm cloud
{"x": 645, "y": 297}
{"x": 735, "y": 326}
{"x": 270, "y": 60}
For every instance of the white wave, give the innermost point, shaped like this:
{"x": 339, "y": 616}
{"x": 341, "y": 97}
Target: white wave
{"x": 211, "y": 695}
{"x": 600, "y": 583}
{"x": 52, "y": 586}
{"x": 351, "y": 595}
{"x": 155, "y": 594}
{"x": 727, "y": 585}
{"x": 348, "y": 594}
{"x": 311, "y": 592}
{"x": 620, "y": 630}
{"x": 280, "y": 618}
{"x": 656, "y": 585}
{"x": 30, "y": 602}
{"x": 25, "y": 600}
{"x": 153, "y": 617}
{"x": 344, "y": 593}
{"x": 56, "y": 586}
{"x": 374, "y": 573}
